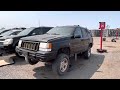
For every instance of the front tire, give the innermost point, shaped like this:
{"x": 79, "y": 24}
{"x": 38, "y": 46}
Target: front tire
{"x": 61, "y": 65}
{"x": 17, "y": 55}
{"x": 31, "y": 61}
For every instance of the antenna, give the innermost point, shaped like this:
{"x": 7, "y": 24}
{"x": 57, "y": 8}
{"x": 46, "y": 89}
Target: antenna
{"x": 39, "y": 23}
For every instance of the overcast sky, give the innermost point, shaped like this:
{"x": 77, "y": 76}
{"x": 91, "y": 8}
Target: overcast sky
{"x": 89, "y": 19}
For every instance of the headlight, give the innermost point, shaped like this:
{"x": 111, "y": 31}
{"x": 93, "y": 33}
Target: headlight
{"x": 8, "y": 41}
{"x": 45, "y": 47}
{"x": 19, "y": 43}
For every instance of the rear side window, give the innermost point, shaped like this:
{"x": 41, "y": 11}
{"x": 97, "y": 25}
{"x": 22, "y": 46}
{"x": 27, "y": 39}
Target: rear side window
{"x": 78, "y": 32}
{"x": 85, "y": 33}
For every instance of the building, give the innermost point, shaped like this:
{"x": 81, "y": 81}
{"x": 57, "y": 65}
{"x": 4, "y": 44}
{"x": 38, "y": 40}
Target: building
{"x": 106, "y": 32}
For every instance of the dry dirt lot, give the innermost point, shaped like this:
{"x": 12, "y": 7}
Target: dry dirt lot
{"x": 99, "y": 66}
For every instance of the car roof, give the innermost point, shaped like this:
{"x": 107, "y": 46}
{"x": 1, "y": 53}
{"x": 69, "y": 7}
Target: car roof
{"x": 16, "y": 30}
{"x": 74, "y": 26}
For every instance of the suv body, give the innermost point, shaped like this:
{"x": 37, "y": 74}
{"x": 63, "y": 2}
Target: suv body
{"x": 56, "y": 46}
{"x": 13, "y": 40}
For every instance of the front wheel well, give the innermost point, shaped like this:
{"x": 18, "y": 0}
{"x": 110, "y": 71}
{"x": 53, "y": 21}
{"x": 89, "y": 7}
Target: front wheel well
{"x": 65, "y": 50}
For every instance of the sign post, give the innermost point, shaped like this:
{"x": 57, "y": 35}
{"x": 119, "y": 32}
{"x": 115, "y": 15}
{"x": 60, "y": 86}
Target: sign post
{"x": 101, "y": 33}
{"x": 102, "y": 27}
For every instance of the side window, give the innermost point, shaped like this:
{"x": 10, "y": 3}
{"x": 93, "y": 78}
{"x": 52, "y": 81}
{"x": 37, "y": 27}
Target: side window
{"x": 46, "y": 30}
{"x": 12, "y": 33}
{"x": 85, "y": 33}
{"x": 15, "y": 33}
{"x": 78, "y": 32}
{"x": 36, "y": 31}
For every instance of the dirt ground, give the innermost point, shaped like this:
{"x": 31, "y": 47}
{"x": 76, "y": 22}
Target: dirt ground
{"x": 99, "y": 66}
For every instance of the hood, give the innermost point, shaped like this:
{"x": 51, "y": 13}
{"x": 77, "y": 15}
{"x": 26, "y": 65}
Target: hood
{"x": 44, "y": 37}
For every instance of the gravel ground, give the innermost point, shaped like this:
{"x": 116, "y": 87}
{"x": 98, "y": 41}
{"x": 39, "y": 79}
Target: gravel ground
{"x": 99, "y": 66}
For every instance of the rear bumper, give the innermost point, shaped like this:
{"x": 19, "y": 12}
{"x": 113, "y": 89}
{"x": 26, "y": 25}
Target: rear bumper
{"x": 39, "y": 55}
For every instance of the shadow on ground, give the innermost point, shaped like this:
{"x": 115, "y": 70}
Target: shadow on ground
{"x": 80, "y": 69}
{"x": 18, "y": 60}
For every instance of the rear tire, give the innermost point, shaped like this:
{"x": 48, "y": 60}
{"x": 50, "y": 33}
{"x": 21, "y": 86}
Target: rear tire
{"x": 61, "y": 65}
{"x": 87, "y": 54}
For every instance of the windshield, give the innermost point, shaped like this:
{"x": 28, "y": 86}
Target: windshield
{"x": 61, "y": 30}
{"x": 25, "y": 32}
{"x": 2, "y": 31}
{"x": 7, "y": 33}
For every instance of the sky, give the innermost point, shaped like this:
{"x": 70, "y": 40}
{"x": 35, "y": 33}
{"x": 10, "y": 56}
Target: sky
{"x": 89, "y": 19}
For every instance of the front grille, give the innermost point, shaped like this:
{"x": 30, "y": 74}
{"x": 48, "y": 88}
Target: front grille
{"x": 29, "y": 45}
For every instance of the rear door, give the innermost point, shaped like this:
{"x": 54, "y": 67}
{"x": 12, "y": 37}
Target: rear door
{"x": 76, "y": 43}
{"x": 85, "y": 38}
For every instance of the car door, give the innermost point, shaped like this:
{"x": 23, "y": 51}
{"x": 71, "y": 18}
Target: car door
{"x": 76, "y": 42}
{"x": 86, "y": 38}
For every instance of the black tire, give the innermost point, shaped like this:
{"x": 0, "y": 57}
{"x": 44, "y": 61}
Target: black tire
{"x": 57, "y": 63}
{"x": 113, "y": 40}
{"x": 31, "y": 61}
{"x": 17, "y": 55}
{"x": 87, "y": 54}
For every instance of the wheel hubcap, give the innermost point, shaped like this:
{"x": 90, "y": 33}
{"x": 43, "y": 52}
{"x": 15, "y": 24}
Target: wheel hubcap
{"x": 64, "y": 65}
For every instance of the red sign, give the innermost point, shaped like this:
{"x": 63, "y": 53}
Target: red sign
{"x": 102, "y": 25}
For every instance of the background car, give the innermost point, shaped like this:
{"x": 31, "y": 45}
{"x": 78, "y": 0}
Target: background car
{"x": 8, "y": 43}
{"x": 4, "y": 30}
{"x": 10, "y": 32}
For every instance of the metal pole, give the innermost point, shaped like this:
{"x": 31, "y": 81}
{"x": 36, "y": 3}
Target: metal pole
{"x": 101, "y": 39}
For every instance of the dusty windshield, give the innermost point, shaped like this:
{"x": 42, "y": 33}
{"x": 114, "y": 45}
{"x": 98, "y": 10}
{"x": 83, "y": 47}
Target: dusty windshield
{"x": 61, "y": 31}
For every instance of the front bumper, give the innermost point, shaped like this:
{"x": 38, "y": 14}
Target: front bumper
{"x": 39, "y": 55}
{"x": 8, "y": 48}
